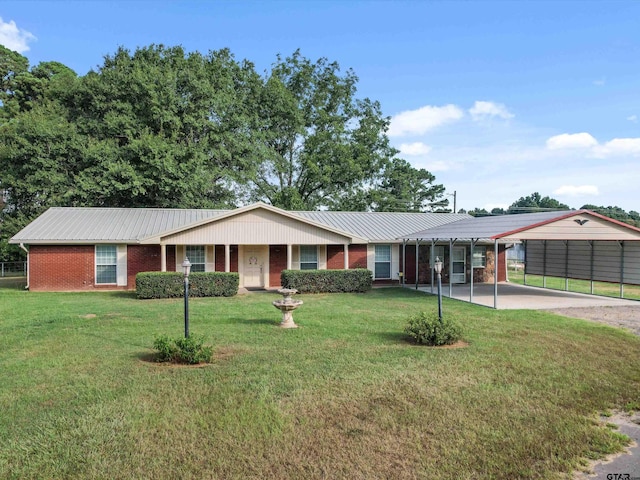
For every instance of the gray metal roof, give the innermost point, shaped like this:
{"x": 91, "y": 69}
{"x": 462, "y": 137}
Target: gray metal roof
{"x": 82, "y": 224}
{"x": 487, "y": 228}
{"x": 79, "y": 224}
{"x": 379, "y": 226}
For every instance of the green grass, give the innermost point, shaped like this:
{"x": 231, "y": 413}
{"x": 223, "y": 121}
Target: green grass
{"x": 343, "y": 396}
{"x": 631, "y": 292}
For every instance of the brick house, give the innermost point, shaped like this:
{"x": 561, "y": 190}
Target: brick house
{"x": 73, "y": 249}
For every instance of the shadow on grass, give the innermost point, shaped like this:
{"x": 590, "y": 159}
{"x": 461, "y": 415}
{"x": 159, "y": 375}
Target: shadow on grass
{"x": 250, "y": 321}
{"x": 395, "y": 337}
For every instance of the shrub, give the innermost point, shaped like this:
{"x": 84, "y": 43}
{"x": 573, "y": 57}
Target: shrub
{"x": 327, "y": 281}
{"x": 189, "y": 350}
{"x": 201, "y": 284}
{"x": 427, "y": 329}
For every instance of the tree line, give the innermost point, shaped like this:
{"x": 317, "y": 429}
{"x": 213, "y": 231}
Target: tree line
{"x": 537, "y": 203}
{"x": 161, "y": 127}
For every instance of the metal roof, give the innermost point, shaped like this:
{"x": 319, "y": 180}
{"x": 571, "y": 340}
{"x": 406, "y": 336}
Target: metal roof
{"x": 487, "y": 228}
{"x": 378, "y": 226}
{"x": 80, "y": 224}
{"x": 132, "y": 225}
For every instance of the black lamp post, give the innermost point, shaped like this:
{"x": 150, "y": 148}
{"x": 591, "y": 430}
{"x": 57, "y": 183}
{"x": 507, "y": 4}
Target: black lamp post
{"x": 437, "y": 266}
{"x": 186, "y": 268}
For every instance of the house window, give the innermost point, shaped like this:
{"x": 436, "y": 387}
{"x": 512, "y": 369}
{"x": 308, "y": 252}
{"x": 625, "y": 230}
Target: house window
{"x": 308, "y": 257}
{"x": 106, "y": 264}
{"x": 383, "y": 262}
{"x": 479, "y": 257}
{"x": 195, "y": 254}
{"x": 438, "y": 252}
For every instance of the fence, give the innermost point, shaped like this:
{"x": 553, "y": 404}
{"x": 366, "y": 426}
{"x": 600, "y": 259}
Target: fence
{"x": 13, "y": 269}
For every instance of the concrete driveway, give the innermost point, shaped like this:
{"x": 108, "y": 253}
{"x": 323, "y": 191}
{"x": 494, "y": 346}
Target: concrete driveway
{"x": 512, "y": 296}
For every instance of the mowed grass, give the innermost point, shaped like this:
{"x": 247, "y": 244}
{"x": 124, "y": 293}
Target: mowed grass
{"x": 343, "y": 396}
{"x": 605, "y": 289}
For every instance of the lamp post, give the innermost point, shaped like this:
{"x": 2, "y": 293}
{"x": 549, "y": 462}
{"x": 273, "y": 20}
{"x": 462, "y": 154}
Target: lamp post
{"x": 437, "y": 266}
{"x": 186, "y": 268}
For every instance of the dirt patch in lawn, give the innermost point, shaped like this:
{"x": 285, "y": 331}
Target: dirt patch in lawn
{"x": 625, "y": 317}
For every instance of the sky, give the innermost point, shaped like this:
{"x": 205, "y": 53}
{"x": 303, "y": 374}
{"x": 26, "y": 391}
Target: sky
{"x": 497, "y": 99}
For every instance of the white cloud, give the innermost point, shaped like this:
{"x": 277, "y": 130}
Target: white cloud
{"x": 600, "y": 82}
{"x": 618, "y": 146}
{"x": 576, "y": 190}
{"x": 571, "y": 140}
{"x": 633, "y": 118}
{"x": 14, "y": 38}
{"x": 423, "y": 119}
{"x": 439, "y": 166}
{"x": 416, "y": 148}
{"x": 484, "y": 110}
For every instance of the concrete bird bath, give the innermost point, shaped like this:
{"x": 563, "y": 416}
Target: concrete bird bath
{"x": 287, "y": 305}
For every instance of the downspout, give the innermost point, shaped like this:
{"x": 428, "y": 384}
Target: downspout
{"x": 26, "y": 250}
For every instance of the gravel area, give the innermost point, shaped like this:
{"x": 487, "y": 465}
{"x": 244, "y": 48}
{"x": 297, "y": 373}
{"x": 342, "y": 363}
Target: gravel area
{"x": 625, "y": 316}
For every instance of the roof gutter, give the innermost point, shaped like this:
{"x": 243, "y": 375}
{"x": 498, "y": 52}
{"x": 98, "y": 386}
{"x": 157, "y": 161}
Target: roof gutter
{"x": 26, "y": 250}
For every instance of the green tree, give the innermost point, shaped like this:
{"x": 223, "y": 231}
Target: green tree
{"x": 315, "y": 139}
{"x": 536, "y": 203}
{"x": 407, "y": 189}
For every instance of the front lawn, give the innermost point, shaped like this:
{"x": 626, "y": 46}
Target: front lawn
{"x": 344, "y": 396}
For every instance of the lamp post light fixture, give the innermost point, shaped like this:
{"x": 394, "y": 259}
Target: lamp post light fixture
{"x": 437, "y": 266}
{"x": 186, "y": 268}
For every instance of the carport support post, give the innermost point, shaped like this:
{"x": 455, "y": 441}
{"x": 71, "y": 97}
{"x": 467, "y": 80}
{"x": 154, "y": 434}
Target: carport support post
{"x": 591, "y": 244}
{"x": 621, "y": 269}
{"x": 450, "y": 267}
{"x": 473, "y": 242}
{"x": 417, "y": 248}
{"x": 566, "y": 265}
{"x": 404, "y": 260}
{"x": 431, "y": 260}
{"x": 495, "y": 274}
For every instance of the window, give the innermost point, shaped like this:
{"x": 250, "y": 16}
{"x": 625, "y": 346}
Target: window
{"x": 438, "y": 252}
{"x": 308, "y": 257}
{"x": 106, "y": 264}
{"x": 195, "y": 254}
{"x": 383, "y": 262}
{"x": 479, "y": 257}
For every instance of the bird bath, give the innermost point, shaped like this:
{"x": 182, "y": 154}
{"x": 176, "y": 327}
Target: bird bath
{"x": 287, "y": 305}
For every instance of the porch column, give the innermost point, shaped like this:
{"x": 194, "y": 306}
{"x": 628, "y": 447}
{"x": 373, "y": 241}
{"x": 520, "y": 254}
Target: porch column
{"x": 417, "y": 249}
{"x": 289, "y": 255}
{"x": 450, "y": 267}
{"x": 432, "y": 259}
{"x": 495, "y": 275}
{"x": 346, "y": 256}
{"x": 163, "y": 257}
{"x": 227, "y": 257}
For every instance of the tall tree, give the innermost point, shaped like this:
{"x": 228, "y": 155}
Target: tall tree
{"x": 536, "y": 203}
{"x": 316, "y": 139}
{"x": 407, "y": 189}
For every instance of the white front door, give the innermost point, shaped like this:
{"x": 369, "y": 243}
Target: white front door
{"x": 458, "y": 265}
{"x": 253, "y": 265}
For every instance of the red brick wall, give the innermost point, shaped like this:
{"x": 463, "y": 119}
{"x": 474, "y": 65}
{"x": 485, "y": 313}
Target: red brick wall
{"x": 277, "y": 263}
{"x": 220, "y": 258}
{"x": 142, "y": 258}
{"x": 357, "y": 256}
{"x": 335, "y": 257}
{"x": 171, "y": 258}
{"x": 61, "y": 267}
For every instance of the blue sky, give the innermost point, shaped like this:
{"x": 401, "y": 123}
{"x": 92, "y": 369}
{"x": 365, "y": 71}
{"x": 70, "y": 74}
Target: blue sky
{"x": 497, "y": 99}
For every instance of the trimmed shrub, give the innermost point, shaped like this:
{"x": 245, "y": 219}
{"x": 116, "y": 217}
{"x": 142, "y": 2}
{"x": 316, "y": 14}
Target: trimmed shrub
{"x": 201, "y": 284}
{"x": 327, "y": 281}
{"x": 426, "y": 329}
{"x": 189, "y": 350}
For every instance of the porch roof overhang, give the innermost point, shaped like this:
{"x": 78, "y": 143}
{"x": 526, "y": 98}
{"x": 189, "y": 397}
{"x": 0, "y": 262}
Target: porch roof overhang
{"x": 559, "y": 225}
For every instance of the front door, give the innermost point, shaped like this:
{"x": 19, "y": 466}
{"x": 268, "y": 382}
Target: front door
{"x": 253, "y": 266}
{"x": 458, "y": 265}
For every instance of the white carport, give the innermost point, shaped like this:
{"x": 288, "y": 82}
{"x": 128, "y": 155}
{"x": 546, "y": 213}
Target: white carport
{"x": 555, "y": 244}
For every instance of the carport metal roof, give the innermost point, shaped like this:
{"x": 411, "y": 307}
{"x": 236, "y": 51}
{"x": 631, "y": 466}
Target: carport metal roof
{"x": 557, "y": 225}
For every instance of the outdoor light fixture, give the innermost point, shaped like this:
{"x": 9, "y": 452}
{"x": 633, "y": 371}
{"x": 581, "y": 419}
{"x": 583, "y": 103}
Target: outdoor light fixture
{"x": 186, "y": 268}
{"x": 437, "y": 266}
